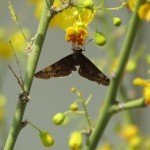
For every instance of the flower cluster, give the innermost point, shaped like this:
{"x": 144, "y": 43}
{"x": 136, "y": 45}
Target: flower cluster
{"x": 146, "y": 90}
{"x": 76, "y": 35}
{"x": 17, "y": 41}
{"x": 131, "y": 134}
{"x": 75, "y": 141}
{"x": 143, "y": 11}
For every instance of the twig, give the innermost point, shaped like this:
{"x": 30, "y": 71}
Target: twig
{"x": 19, "y": 82}
{"x": 57, "y": 10}
{"x": 17, "y": 61}
{"x": 127, "y": 105}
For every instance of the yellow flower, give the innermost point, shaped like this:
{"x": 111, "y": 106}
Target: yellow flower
{"x": 70, "y": 16}
{"x": 18, "y": 40}
{"x": 129, "y": 131}
{"x": 146, "y": 90}
{"x": 131, "y": 4}
{"x": 105, "y": 146}
{"x": 146, "y": 93}
{"x": 144, "y": 11}
{"x": 135, "y": 141}
{"x": 67, "y": 17}
{"x": 75, "y": 141}
{"x": 139, "y": 82}
{"x": 5, "y": 49}
{"x": 76, "y": 35}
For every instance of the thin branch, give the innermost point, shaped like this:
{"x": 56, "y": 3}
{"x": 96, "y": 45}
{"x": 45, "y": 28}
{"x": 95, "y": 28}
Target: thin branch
{"x": 30, "y": 70}
{"x": 19, "y": 82}
{"x": 105, "y": 116}
{"x": 17, "y": 61}
{"x": 127, "y": 106}
{"x": 64, "y": 6}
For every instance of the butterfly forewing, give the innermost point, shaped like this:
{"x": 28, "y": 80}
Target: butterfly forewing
{"x": 61, "y": 68}
{"x": 90, "y": 71}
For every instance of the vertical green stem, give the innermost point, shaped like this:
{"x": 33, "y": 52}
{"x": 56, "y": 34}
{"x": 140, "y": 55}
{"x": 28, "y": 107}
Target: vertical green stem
{"x": 104, "y": 117}
{"x": 31, "y": 66}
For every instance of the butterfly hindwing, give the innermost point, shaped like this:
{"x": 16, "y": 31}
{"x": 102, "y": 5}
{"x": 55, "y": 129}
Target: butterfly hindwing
{"x": 90, "y": 71}
{"x": 61, "y": 68}
{"x": 66, "y": 65}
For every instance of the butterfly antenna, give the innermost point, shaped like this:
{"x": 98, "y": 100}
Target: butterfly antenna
{"x": 86, "y": 43}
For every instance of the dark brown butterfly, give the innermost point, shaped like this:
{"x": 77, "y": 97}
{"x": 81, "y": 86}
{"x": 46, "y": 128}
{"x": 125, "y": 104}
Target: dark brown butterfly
{"x": 66, "y": 65}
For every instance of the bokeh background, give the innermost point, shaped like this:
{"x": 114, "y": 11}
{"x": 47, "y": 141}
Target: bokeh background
{"x": 51, "y": 96}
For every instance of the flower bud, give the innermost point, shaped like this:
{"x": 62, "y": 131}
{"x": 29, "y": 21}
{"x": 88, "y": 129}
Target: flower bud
{"x": 75, "y": 141}
{"x": 99, "y": 39}
{"x": 146, "y": 94}
{"x": 73, "y": 89}
{"x": 88, "y": 4}
{"x": 131, "y": 65}
{"x": 117, "y": 21}
{"x": 139, "y": 81}
{"x": 58, "y": 118}
{"x": 46, "y": 139}
{"x": 74, "y": 107}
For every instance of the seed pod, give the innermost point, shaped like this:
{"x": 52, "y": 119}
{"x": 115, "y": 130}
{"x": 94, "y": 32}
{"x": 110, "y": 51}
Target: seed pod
{"x": 58, "y": 118}
{"x": 46, "y": 139}
{"x": 74, "y": 107}
{"x": 117, "y": 21}
{"x": 100, "y": 39}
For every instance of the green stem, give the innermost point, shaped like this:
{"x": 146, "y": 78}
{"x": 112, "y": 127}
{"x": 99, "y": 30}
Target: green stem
{"x": 36, "y": 128}
{"x": 126, "y": 106}
{"x": 104, "y": 116}
{"x": 86, "y": 113}
{"x": 31, "y": 66}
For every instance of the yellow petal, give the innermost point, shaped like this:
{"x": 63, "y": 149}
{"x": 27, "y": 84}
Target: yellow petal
{"x": 144, "y": 11}
{"x": 70, "y": 16}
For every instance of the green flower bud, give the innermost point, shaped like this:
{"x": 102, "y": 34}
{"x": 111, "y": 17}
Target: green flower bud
{"x": 74, "y": 107}
{"x": 88, "y": 4}
{"x": 117, "y": 21}
{"x": 148, "y": 58}
{"x": 73, "y": 89}
{"x": 46, "y": 139}
{"x": 99, "y": 39}
{"x": 75, "y": 141}
{"x": 131, "y": 65}
{"x": 58, "y": 118}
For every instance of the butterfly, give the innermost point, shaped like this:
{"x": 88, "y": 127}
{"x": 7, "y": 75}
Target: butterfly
{"x": 66, "y": 65}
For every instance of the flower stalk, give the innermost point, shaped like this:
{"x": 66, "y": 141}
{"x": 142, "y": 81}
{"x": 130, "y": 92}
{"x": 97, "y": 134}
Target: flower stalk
{"x": 31, "y": 66}
{"x": 105, "y": 116}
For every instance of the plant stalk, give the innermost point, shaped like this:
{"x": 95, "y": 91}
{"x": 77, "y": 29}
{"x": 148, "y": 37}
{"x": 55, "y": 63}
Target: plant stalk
{"x": 30, "y": 70}
{"x": 105, "y": 116}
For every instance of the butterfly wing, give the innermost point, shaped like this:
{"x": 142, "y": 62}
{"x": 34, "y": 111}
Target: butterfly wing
{"x": 90, "y": 71}
{"x": 61, "y": 68}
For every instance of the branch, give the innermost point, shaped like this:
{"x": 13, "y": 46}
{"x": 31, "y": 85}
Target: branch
{"x": 126, "y": 106}
{"x": 30, "y": 70}
{"x": 105, "y": 116}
